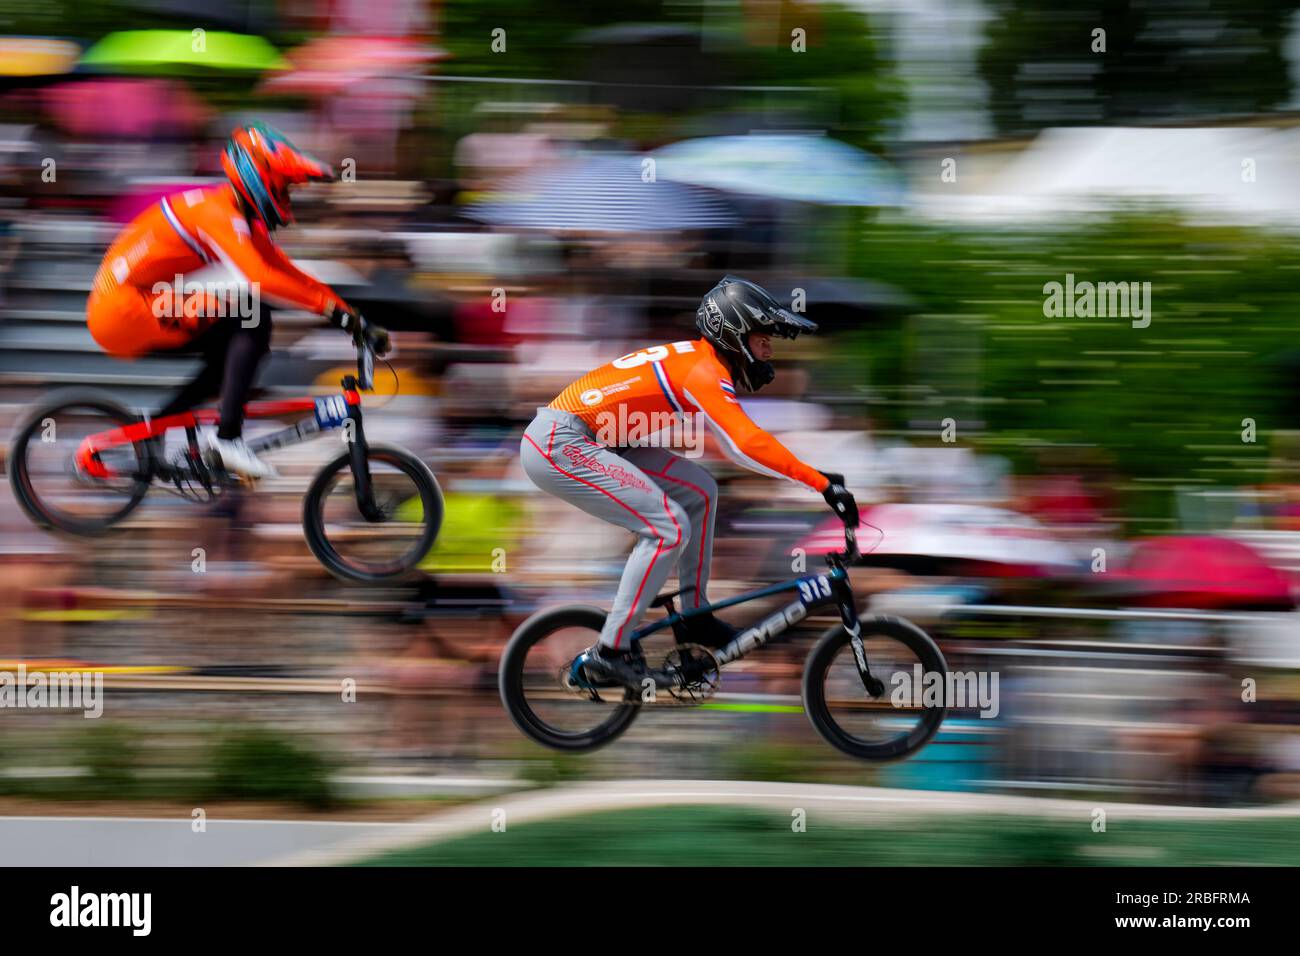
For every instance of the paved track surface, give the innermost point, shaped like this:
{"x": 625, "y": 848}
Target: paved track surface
{"x": 106, "y": 841}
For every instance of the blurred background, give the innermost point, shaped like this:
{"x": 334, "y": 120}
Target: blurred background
{"x": 1102, "y": 509}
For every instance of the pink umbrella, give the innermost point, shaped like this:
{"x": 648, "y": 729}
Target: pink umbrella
{"x": 137, "y": 108}
{"x": 1202, "y": 571}
{"x": 330, "y": 64}
{"x": 141, "y": 196}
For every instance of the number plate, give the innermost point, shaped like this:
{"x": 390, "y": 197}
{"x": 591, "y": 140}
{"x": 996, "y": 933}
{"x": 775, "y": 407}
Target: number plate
{"x": 331, "y": 411}
{"x": 814, "y": 588}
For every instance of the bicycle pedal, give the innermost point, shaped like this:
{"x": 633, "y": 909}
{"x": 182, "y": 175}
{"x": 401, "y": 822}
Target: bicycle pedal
{"x": 221, "y": 478}
{"x": 575, "y": 680}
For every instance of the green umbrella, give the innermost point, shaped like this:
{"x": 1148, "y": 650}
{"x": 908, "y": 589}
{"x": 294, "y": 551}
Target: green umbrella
{"x": 146, "y": 51}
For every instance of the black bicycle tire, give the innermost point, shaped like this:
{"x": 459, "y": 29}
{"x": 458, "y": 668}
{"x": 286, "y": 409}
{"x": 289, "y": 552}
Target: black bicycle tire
{"x": 20, "y": 480}
{"x": 814, "y": 687}
{"x": 510, "y": 682}
{"x": 313, "y": 519}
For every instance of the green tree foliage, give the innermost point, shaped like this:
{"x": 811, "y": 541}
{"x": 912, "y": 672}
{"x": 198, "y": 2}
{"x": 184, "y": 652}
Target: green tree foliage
{"x": 1163, "y": 404}
{"x": 852, "y": 88}
{"x": 1166, "y": 59}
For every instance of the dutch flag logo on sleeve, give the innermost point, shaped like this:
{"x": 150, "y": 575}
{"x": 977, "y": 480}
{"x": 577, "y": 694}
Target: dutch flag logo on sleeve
{"x": 728, "y": 389}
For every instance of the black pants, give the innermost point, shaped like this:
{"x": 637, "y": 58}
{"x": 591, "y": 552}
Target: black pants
{"x": 231, "y": 355}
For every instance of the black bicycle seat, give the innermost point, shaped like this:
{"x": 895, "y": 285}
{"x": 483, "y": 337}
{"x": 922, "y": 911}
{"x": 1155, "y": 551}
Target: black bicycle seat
{"x": 664, "y": 600}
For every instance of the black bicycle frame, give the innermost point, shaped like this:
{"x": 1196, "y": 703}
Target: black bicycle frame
{"x": 815, "y": 591}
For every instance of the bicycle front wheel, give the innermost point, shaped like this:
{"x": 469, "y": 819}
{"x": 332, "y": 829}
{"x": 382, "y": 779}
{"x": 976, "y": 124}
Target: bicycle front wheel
{"x": 882, "y": 726}
{"x": 391, "y": 541}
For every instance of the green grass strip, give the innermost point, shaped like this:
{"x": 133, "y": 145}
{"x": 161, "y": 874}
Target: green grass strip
{"x": 727, "y": 836}
{"x": 742, "y": 708}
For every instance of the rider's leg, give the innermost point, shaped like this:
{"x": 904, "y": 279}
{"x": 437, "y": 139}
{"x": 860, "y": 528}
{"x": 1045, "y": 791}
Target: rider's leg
{"x": 248, "y": 346}
{"x": 560, "y": 457}
{"x": 127, "y": 322}
{"x": 692, "y": 487}
{"x": 232, "y": 346}
{"x": 211, "y": 345}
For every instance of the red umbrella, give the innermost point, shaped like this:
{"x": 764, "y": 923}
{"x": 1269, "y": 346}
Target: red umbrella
{"x": 1202, "y": 571}
{"x": 137, "y": 108}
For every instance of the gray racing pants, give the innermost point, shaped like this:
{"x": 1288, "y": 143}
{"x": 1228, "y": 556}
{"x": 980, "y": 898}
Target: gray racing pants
{"x": 668, "y": 502}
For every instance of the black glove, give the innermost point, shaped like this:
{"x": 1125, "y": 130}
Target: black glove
{"x": 840, "y": 500}
{"x": 378, "y": 338}
{"x": 355, "y": 324}
{"x": 345, "y": 318}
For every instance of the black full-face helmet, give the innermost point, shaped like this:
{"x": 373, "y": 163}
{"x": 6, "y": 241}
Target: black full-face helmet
{"x": 733, "y": 309}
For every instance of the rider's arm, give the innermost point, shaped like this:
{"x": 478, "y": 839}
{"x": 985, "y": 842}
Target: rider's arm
{"x": 744, "y": 442}
{"x": 252, "y": 257}
{"x": 286, "y": 267}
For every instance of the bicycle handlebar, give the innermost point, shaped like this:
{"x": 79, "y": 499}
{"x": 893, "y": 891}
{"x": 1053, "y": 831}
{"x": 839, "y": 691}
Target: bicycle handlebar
{"x": 365, "y": 363}
{"x": 850, "y": 553}
{"x": 363, "y": 337}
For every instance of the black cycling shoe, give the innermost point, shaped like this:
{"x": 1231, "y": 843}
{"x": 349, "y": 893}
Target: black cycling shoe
{"x": 626, "y": 667}
{"x": 705, "y": 629}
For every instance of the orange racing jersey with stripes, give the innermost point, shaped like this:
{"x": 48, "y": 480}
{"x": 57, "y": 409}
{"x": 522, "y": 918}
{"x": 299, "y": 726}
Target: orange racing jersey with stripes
{"x": 187, "y": 230}
{"x": 683, "y": 378}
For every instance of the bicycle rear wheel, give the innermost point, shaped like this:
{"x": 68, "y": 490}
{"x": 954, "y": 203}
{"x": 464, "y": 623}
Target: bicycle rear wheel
{"x": 533, "y": 689}
{"x": 872, "y": 727}
{"x": 47, "y": 481}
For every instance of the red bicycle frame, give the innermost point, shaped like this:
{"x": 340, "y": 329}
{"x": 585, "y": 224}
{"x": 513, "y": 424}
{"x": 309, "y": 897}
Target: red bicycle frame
{"x": 328, "y": 413}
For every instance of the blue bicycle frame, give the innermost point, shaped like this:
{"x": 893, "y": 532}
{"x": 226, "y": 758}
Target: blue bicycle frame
{"x": 814, "y": 590}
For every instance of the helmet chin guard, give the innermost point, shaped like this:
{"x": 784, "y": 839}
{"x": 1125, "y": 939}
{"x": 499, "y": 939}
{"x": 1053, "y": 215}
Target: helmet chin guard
{"x": 758, "y": 374}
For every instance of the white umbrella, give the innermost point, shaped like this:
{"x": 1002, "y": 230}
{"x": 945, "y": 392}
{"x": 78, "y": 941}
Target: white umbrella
{"x": 951, "y": 532}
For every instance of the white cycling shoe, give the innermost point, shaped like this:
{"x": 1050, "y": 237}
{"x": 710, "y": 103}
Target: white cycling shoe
{"x": 237, "y": 458}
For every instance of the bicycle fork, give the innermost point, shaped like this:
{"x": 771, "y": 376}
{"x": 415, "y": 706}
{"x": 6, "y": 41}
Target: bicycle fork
{"x": 359, "y": 460}
{"x": 849, "y": 618}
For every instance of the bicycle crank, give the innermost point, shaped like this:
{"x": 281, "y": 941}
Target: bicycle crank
{"x": 697, "y": 671}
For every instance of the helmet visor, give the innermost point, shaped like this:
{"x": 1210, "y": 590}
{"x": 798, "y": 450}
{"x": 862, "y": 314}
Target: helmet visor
{"x": 786, "y": 324}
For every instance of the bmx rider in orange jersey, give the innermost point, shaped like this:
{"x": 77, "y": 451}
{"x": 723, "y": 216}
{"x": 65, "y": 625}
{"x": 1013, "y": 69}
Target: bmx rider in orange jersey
{"x": 134, "y": 308}
{"x": 670, "y": 503}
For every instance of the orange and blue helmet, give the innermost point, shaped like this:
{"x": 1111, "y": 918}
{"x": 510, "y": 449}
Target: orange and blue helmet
{"x": 262, "y": 164}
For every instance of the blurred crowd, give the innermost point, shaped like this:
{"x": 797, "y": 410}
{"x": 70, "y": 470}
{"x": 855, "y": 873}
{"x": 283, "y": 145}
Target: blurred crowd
{"x": 500, "y": 226}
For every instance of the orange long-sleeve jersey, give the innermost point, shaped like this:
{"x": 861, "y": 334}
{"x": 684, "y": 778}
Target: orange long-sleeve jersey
{"x": 683, "y": 377}
{"x": 186, "y": 230}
